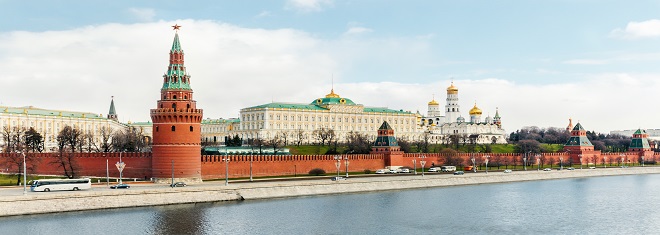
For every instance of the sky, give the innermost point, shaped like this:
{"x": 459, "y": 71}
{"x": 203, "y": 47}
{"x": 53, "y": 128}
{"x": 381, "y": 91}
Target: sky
{"x": 538, "y": 62}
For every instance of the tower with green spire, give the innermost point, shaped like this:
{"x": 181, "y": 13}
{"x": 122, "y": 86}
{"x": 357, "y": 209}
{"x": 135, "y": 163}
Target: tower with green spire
{"x": 176, "y": 124}
{"x": 112, "y": 114}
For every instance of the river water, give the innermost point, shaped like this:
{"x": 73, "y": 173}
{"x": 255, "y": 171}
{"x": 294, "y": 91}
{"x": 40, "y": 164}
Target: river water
{"x": 598, "y": 205}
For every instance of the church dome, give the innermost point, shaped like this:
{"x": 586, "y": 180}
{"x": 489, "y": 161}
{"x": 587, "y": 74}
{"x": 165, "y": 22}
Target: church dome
{"x": 433, "y": 102}
{"x": 460, "y": 119}
{"x": 475, "y": 110}
{"x": 452, "y": 89}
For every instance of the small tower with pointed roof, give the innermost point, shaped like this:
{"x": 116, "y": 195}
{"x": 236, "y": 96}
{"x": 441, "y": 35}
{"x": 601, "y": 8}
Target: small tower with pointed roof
{"x": 639, "y": 142}
{"x": 497, "y": 120}
{"x": 112, "y": 114}
{"x": 578, "y": 144}
{"x": 452, "y": 108}
{"x": 176, "y": 124}
{"x": 387, "y": 145}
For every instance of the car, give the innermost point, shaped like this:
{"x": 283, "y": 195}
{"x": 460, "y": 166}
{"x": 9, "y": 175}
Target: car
{"x": 178, "y": 184}
{"x": 336, "y": 178}
{"x": 507, "y": 171}
{"x": 118, "y": 186}
{"x": 405, "y": 170}
{"x": 433, "y": 169}
{"x": 393, "y": 171}
{"x": 570, "y": 168}
{"x": 547, "y": 169}
{"x": 381, "y": 171}
{"x": 592, "y": 167}
{"x": 459, "y": 173}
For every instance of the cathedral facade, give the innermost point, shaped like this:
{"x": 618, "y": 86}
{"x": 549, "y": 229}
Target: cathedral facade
{"x": 475, "y": 130}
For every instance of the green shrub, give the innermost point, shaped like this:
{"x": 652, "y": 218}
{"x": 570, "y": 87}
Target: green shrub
{"x": 367, "y": 171}
{"x": 317, "y": 171}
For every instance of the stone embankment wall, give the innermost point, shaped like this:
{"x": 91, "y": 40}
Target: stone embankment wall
{"x": 34, "y": 203}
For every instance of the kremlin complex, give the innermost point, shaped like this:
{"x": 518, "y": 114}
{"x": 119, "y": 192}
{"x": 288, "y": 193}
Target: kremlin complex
{"x": 177, "y": 130}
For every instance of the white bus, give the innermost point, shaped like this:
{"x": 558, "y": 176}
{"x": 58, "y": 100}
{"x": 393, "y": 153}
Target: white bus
{"x": 46, "y": 185}
{"x": 447, "y": 168}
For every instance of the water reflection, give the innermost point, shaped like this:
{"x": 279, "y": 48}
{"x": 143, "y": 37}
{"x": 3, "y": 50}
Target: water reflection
{"x": 180, "y": 219}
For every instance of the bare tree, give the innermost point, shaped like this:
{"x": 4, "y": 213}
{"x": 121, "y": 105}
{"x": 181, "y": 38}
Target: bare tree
{"x": 274, "y": 143}
{"x": 68, "y": 140}
{"x": 300, "y": 134}
{"x": 128, "y": 140}
{"x": 106, "y": 134}
{"x": 284, "y": 136}
{"x": 358, "y": 143}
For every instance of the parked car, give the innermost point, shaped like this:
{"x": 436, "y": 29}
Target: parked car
{"x": 337, "y": 178}
{"x": 405, "y": 170}
{"x": 433, "y": 169}
{"x": 178, "y": 184}
{"x": 547, "y": 169}
{"x": 570, "y": 168}
{"x": 459, "y": 173}
{"x": 592, "y": 167}
{"x": 118, "y": 186}
{"x": 382, "y": 171}
{"x": 393, "y": 171}
{"x": 507, "y": 171}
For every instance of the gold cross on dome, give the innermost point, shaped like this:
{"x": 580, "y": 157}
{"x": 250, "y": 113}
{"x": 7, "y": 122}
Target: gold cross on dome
{"x": 176, "y": 27}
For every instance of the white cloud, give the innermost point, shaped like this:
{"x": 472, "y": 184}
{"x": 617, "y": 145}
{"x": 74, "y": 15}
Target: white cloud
{"x": 234, "y": 68}
{"x": 357, "y": 30}
{"x": 308, "y": 5}
{"x": 638, "y": 30}
{"x": 143, "y": 14}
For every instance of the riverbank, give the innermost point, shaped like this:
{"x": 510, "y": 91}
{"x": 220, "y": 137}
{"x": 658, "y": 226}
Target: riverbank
{"x": 12, "y": 202}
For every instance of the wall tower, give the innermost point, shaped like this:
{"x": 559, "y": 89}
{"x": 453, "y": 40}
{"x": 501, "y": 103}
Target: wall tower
{"x": 112, "y": 114}
{"x": 176, "y": 124}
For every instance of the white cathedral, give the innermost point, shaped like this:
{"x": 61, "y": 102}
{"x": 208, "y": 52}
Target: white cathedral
{"x": 442, "y": 128}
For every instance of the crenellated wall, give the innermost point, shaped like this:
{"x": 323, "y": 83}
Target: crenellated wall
{"x": 138, "y": 165}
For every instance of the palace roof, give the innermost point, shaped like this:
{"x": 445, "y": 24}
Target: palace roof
{"x": 30, "y": 110}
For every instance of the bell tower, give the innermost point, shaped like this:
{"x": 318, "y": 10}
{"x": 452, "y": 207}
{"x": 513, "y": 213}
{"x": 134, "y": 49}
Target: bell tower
{"x": 176, "y": 124}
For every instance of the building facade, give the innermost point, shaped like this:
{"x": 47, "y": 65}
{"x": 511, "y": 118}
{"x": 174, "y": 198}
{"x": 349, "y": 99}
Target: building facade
{"x": 332, "y": 112}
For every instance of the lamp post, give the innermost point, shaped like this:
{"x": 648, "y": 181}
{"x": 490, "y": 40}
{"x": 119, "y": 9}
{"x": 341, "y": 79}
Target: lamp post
{"x": 474, "y": 163}
{"x": 338, "y": 164}
{"x": 226, "y": 160}
{"x": 561, "y": 162}
{"x": 172, "y": 185}
{"x": 415, "y": 165}
{"x": 622, "y": 162}
{"x": 422, "y": 162}
{"x": 107, "y": 173}
{"x": 580, "y": 156}
{"x": 24, "y": 175}
{"x": 642, "y": 161}
{"x": 538, "y": 162}
{"x": 604, "y": 161}
{"x": 525, "y": 160}
{"x": 486, "y": 160}
{"x": 346, "y": 163}
{"x": 120, "y": 166}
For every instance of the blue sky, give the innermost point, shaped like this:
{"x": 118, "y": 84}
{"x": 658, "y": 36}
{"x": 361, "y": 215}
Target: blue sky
{"x": 539, "y": 62}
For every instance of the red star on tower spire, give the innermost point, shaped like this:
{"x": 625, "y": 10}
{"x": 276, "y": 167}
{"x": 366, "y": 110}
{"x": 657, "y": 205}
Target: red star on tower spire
{"x": 176, "y": 27}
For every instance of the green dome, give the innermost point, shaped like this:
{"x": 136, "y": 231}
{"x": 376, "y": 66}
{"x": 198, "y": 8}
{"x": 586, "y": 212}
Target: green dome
{"x": 332, "y": 100}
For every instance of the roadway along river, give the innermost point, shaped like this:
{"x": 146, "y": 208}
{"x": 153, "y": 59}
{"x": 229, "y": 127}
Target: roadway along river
{"x": 596, "y": 205}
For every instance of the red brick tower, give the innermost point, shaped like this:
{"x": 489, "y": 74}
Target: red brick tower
{"x": 177, "y": 124}
{"x": 387, "y": 145}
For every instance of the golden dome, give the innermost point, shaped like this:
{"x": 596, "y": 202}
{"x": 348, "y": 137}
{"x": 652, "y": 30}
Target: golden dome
{"x": 332, "y": 94}
{"x": 433, "y": 102}
{"x": 475, "y": 110}
{"x": 452, "y": 89}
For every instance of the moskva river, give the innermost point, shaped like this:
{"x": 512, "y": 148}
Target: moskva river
{"x": 600, "y": 205}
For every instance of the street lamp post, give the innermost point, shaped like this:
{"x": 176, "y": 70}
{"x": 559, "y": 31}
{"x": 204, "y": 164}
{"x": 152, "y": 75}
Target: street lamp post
{"x": 338, "y": 164}
{"x": 580, "y": 156}
{"x": 120, "y": 166}
{"x": 226, "y": 160}
{"x": 622, "y": 162}
{"x": 24, "y": 175}
{"x": 172, "y": 185}
{"x": 474, "y": 164}
{"x": 422, "y": 162}
{"x": 107, "y": 173}
{"x": 604, "y": 161}
{"x": 642, "y": 161}
{"x": 415, "y": 165}
{"x": 346, "y": 163}
{"x": 486, "y": 160}
{"x": 525, "y": 160}
{"x": 538, "y": 162}
{"x": 561, "y": 162}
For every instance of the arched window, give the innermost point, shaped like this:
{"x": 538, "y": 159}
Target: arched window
{"x": 173, "y": 128}
{"x": 156, "y": 129}
{"x": 188, "y": 106}
{"x": 174, "y": 97}
{"x": 174, "y": 105}
{"x": 191, "y": 128}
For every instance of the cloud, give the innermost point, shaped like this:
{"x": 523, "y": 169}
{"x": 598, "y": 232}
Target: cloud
{"x": 357, "y": 30}
{"x": 234, "y": 67}
{"x": 264, "y": 14}
{"x": 586, "y": 62}
{"x": 638, "y": 30}
{"x": 143, "y": 14}
{"x": 308, "y": 5}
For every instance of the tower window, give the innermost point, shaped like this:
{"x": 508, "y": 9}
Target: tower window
{"x": 191, "y": 128}
{"x": 174, "y": 105}
{"x": 188, "y": 106}
{"x": 156, "y": 129}
{"x": 185, "y": 97}
{"x": 174, "y": 97}
{"x": 173, "y": 128}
